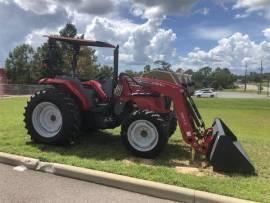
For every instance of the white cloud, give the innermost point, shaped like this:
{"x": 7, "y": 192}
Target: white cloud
{"x": 266, "y": 33}
{"x": 251, "y": 6}
{"x": 4, "y": 1}
{"x": 203, "y": 11}
{"x": 211, "y": 33}
{"x": 36, "y": 38}
{"x": 39, "y": 7}
{"x": 238, "y": 15}
{"x": 232, "y": 52}
{"x": 139, "y": 43}
{"x": 19, "y": 23}
{"x": 157, "y": 8}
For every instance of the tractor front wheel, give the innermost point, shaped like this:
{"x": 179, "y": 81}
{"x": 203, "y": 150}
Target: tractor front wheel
{"x": 144, "y": 133}
{"x": 52, "y": 116}
{"x": 172, "y": 123}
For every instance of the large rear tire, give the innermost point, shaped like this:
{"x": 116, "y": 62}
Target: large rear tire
{"x": 144, "y": 133}
{"x": 52, "y": 116}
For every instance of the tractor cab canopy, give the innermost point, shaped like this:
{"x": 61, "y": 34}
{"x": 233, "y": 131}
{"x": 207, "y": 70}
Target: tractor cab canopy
{"x": 80, "y": 42}
{"x": 76, "y": 43}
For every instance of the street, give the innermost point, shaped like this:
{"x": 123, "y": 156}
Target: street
{"x": 32, "y": 186}
{"x": 241, "y": 95}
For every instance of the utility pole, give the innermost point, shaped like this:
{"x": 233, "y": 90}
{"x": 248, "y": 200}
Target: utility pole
{"x": 261, "y": 77}
{"x": 268, "y": 84}
{"x": 246, "y": 78}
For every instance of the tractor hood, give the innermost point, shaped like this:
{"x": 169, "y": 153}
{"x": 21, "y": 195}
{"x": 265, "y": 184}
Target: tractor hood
{"x": 177, "y": 78}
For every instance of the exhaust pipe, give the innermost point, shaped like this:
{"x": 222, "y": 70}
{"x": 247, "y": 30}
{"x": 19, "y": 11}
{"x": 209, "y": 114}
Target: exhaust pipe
{"x": 226, "y": 153}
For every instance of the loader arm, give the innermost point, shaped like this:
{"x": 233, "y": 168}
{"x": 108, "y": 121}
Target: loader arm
{"x": 189, "y": 120}
{"x": 218, "y": 143}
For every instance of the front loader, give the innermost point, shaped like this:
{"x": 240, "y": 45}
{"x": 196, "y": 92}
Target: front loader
{"x": 139, "y": 105}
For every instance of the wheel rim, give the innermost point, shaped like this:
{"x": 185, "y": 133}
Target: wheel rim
{"x": 47, "y": 119}
{"x": 142, "y": 135}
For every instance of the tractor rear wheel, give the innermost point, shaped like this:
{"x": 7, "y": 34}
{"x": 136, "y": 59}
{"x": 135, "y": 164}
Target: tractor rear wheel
{"x": 52, "y": 116}
{"x": 144, "y": 133}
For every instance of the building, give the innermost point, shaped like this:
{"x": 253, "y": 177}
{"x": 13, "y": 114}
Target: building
{"x": 3, "y": 80}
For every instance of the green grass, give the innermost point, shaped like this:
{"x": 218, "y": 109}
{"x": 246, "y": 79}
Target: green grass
{"x": 249, "y": 119}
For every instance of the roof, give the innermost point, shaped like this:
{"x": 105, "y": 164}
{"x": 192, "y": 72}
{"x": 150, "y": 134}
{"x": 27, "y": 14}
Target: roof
{"x": 80, "y": 42}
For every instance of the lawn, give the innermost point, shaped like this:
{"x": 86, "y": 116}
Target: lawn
{"x": 248, "y": 118}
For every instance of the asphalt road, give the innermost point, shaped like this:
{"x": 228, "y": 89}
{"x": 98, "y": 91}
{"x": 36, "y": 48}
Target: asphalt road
{"x": 242, "y": 95}
{"x": 32, "y": 186}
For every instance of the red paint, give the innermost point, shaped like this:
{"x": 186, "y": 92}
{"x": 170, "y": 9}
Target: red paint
{"x": 150, "y": 97}
{"x": 98, "y": 88}
{"x": 177, "y": 94}
{"x": 72, "y": 88}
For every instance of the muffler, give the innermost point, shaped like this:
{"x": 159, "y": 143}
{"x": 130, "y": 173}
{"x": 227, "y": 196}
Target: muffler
{"x": 225, "y": 153}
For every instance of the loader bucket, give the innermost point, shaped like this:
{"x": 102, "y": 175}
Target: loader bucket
{"x": 226, "y": 153}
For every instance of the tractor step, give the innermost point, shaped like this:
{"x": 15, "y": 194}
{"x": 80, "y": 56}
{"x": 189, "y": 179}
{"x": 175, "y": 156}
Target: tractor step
{"x": 226, "y": 153}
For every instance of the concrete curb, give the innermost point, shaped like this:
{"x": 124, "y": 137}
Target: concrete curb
{"x": 151, "y": 188}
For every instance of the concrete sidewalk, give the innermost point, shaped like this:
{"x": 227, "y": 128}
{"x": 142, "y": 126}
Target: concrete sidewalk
{"x": 151, "y": 188}
{"x": 29, "y": 186}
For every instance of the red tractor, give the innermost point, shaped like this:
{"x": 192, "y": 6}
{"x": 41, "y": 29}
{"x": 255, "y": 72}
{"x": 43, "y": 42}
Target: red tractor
{"x": 142, "y": 106}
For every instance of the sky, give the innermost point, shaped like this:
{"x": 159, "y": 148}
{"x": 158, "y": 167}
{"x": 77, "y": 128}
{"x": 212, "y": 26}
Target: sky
{"x": 185, "y": 33}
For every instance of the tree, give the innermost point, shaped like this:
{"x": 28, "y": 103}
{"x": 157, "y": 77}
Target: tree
{"x": 66, "y": 49}
{"x": 19, "y": 64}
{"x": 38, "y": 71}
{"x": 56, "y": 62}
{"x": 222, "y": 78}
{"x": 254, "y": 77}
{"x": 189, "y": 71}
{"x": 24, "y": 64}
{"x": 179, "y": 70}
{"x": 147, "y": 68}
{"x": 202, "y": 77}
{"x": 164, "y": 65}
{"x": 105, "y": 70}
{"x": 68, "y": 31}
{"x": 86, "y": 66}
{"x": 219, "y": 78}
{"x": 133, "y": 73}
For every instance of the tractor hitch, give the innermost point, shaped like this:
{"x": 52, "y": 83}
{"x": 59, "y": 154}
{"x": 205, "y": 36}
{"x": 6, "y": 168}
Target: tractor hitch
{"x": 226, "y": 153}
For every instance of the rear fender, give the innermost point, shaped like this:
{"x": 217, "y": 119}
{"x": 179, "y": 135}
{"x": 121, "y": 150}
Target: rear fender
{"x": 71, "y": 87}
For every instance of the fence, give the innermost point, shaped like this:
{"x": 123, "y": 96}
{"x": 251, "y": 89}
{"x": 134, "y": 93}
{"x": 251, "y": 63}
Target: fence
{"x": 19, "y": 89}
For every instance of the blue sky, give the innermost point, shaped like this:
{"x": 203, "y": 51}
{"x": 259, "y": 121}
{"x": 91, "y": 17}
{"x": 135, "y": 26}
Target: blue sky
{"x": 186, "y": 33}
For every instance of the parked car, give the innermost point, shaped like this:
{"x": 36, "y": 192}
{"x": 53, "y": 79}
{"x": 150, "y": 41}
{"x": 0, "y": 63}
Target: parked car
{"x": 205, "y": 89}
{"x": 207, "y": 92}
